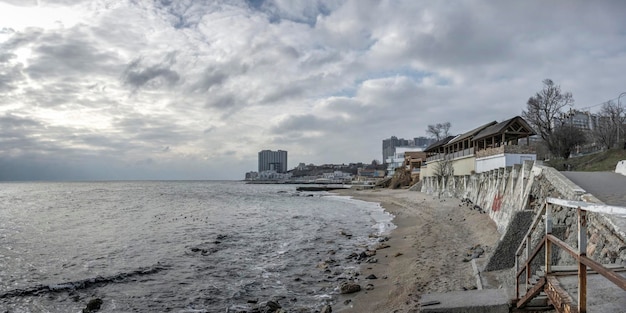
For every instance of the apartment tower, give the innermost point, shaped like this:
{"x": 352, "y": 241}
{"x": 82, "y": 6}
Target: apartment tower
{"x": 273, "y": 160}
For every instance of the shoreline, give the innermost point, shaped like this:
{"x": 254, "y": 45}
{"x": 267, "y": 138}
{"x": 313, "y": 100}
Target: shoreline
{"x": 428, "y": 251}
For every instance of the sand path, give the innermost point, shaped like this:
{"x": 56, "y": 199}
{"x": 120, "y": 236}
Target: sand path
{"x": 426, "y": 251}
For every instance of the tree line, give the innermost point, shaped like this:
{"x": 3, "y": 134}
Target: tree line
{"x": 546, "y": 112}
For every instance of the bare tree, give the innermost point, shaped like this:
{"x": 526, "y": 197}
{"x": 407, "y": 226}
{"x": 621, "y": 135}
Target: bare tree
{"x": 443, "y": 171}
{"x": 439, "y": 130}
{"x": 608, "y": 124}
{"x": 603, "y": 132}
{"x": 544, "y": 109}
{"x": 565, "y": 138}
{"x": 609, "y": 128}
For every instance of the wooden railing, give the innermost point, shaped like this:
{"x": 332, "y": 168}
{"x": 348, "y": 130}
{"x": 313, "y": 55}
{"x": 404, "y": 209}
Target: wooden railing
{"x": 452, "y": 155}
{"x": 580, "y": 255}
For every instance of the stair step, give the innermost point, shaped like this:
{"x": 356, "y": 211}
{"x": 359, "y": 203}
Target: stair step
{"x": 538, "y": 301}
{"x": 574, "y": 269}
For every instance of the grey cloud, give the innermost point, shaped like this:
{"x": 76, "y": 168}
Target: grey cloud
{"x": 282, "y": 93}
{"x": 138, "y": 76}
{"x": 211, "y": 77}
{"x": 185, "y": 14}
{"x": 25, "y": 3}
{"x": 297, "y": 11}
{"x": 147, "y": 131}
{"x": 221, "y": 101}
{"x": 9, "y": 76}
{"x": 60, "y": 55}
{"x": 306, "y": 122}
{"x": 6, "y": 57}
{"x": 19, "y": 39}
{"x": 54, "y": 93}
{"x": 10, "y": 122}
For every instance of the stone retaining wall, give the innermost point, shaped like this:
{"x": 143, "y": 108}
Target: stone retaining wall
{"x": 504, "y": 192}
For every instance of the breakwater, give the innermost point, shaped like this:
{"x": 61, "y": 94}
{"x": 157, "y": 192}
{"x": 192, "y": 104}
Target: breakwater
{"x": 512, "y": 196}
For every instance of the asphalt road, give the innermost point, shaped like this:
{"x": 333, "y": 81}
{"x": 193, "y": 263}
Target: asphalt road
{"x": 608, "y": 187}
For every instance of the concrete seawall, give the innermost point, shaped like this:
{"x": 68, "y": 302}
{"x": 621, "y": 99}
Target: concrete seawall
{"x": 512, "y": 196}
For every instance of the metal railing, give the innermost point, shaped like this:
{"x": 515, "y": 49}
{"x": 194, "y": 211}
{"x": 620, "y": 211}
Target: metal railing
{"x": 580, "y": 254}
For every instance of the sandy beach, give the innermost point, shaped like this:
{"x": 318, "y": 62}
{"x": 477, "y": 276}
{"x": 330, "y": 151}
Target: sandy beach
{"x": 428, "y": 251}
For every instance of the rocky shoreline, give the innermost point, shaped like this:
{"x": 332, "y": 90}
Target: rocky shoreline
{"x": 429, "y": 251}
{"x": 341, "y": 273}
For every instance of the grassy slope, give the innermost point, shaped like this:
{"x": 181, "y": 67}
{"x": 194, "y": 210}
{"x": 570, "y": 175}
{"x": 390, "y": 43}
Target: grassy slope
{"x": 598, "y": 162}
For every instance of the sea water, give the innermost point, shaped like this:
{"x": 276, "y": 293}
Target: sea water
{"x": 177, "y": 246}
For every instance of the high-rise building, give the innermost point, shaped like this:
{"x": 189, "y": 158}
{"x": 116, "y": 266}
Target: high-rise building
{"x": 389, "y": 146}
{"x": 273, "y": 161}
{"x": 423, "y": 142}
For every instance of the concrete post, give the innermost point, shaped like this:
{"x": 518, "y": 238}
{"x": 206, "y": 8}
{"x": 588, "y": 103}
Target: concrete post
{"x": 548, "y": 232}
{"x": 582, "y": 268}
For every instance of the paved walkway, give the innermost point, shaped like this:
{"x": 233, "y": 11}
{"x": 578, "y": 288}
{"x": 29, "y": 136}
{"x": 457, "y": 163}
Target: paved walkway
{"x": 608, "y": 187}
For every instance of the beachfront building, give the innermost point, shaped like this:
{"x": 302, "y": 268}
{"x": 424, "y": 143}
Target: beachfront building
{"x": 489, "y": 146}
{"x": 402, "y": 159}
{"x": 414, "y": 160}
{"x": 273, "y": 161}
{"x": 504, "y": 144}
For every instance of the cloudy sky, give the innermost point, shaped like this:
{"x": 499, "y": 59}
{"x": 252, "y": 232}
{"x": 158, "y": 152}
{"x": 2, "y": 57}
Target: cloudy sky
{"x": 193, "y": 89}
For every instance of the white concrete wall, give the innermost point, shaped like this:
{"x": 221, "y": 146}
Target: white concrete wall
{"x": 621, "y": 167}
{"x": 503, "y": 192}
{"x": 464, "y": 165}
{"x": 491, "y": 162}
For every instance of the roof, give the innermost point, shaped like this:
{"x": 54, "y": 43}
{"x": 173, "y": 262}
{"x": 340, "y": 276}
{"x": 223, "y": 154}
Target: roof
{"x": 471, "y": 133}
{"x": 438, "y": 144}
{"x": 524, "y": 129}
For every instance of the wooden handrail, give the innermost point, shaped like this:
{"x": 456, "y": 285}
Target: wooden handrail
{"x": 534, "y": 254}
{"x": 599, "y": 268}
{"x": 578, "y": 254}
{"x": 532, "y": 228}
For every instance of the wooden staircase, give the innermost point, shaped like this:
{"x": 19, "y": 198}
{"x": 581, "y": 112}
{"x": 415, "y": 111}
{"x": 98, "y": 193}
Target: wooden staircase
{"x": 543, "y": 290}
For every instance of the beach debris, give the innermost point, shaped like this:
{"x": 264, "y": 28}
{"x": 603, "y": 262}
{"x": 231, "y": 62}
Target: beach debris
{"x": 326, "y": 309}
{"x": 474, "y": 252}
{"x": 371, "y": 276}
{"x": 478, "y": 208}
{"x": 345, "y": 233}
{"x": 347, "y": 287}
{"x": 381, "y": 245}
{"x": 93, "y": 305}
{"x": 352, "y": 255}
{"x": 369, "y": 287}
{"x": 398, "y": 254}
{"x": 363, "y": 255}
{"x": 372, "y": 260}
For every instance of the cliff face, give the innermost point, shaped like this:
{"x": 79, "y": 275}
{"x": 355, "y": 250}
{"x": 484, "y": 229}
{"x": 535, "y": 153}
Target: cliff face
{"x": 505, "y": 192}
{"x": 401, "y": 178}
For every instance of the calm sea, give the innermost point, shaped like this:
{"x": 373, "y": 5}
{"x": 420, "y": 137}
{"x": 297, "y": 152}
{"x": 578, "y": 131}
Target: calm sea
{"x": 176, "y": 246}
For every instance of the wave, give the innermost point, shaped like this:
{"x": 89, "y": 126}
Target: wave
{"x": 83, "y": 283}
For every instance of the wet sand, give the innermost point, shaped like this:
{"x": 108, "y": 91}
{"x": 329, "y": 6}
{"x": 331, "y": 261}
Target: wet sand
{"x": 426, "y": 254}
